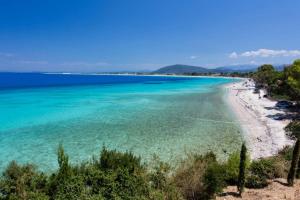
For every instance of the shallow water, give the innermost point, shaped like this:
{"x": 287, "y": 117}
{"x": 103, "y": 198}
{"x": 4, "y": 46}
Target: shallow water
{"x": 166, "y": 116}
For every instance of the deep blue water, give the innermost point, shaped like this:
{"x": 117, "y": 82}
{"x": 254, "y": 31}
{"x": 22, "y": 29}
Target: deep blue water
{"x": 27, "y": 80}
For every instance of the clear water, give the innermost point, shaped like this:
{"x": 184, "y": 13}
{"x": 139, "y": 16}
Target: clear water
{"x": 166, "y": 116}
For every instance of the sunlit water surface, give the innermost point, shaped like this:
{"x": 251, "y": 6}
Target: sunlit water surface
{"x": 166, "y": 116}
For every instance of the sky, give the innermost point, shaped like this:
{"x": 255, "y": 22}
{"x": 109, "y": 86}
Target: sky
{"x": 138, "y": 35}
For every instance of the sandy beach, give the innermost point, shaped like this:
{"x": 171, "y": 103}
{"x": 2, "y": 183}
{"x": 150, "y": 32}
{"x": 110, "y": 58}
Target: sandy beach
{"x": 263, "y": 134}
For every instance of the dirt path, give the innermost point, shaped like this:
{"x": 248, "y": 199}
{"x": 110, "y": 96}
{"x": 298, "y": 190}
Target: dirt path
{"x": 276, "y": 190}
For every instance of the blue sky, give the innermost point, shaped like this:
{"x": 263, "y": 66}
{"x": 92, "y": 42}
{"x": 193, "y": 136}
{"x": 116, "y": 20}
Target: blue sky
{"x": 119, "y": 35}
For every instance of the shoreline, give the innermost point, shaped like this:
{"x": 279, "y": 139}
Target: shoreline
{"x": 154, "y": 75}
{"x": 264, "y": 135}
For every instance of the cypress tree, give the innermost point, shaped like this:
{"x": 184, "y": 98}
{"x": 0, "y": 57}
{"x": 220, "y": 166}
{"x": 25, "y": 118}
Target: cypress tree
{"x": 294, "y": 164}
{"x": 298, "y": 170}
{"x": 293, "y": 129}
{"x": 242, "y": 169}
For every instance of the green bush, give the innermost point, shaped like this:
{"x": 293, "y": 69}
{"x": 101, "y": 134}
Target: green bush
{"x": 213, "y": 180}
{"x": 192, "y": 177}
{"x": 232, "y": 169}
{"x": 22, "y": 182}
{"x": 111, "y": 160}
{"x": 286, "y": 153}
{"x": 267, "y": 168}
{"x": 159, "y": 175}
{"x": 116, "y": 175}
{"x": 254, "y": 181}
{"x": 74, "y": 188}
{"x": 263, "y": 168}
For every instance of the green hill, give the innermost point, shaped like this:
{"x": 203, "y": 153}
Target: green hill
{"x": 181, "y": 69}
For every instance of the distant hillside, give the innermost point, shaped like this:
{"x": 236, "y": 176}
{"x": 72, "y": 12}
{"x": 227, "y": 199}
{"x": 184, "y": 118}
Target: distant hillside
{"x": 181, "y": 69}
{"x": 236, "y": 68}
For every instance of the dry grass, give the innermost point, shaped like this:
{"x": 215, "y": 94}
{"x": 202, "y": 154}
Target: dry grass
{"x": 188, "y": 176}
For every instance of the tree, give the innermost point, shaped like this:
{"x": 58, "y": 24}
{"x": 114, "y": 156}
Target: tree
{"x": 264, "y": 76}
{"x": 242, "y": 171}
{"x": 63, "y": 162}
{"x": 213, "y": 180}
{"x": 292, "y": 74}
{"x": 63, "y": 175}
{"x": 293, "y": 129}
{"x": 22, "y": 182}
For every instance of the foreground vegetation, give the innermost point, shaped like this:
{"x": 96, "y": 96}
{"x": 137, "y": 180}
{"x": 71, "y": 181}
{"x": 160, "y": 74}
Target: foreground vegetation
{"x": 116, "y": 175}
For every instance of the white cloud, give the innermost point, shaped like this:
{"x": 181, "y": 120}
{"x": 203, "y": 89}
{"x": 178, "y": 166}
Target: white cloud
{"x": 193, "y": 57}
{"x": 265, "y": 53}
{"x": 270, "y": 53}
{"x": 233, "y": 55}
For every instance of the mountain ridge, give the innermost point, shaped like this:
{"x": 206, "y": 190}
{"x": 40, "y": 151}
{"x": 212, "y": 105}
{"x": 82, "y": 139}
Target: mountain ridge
{"x": 182, "y": 69}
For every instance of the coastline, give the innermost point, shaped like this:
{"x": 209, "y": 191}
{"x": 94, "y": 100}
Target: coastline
{"x": 154, "y": 75}
{"x": 264, "y": 135}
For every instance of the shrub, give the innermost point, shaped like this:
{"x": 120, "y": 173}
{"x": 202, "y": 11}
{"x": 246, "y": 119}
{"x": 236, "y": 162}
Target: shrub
{"x": 286, "y": 153}
{"x": 263, "y": 168}
{"x": 111, "y": 160}
{"x": 71, "y": 189}
{"x": 254, "y": 181}
{"x": 213, "y": 180}
{"x": 272, "y": 167}
{"x": 116, "y": 175}
{"x": 189, "y": 175}
{"x": 22, "y": 182}
{"x": 159, "y": 175}
{"x": 266, "y": 168}
{"x": 160, "y": 180}
{"x": 232, "y": 168}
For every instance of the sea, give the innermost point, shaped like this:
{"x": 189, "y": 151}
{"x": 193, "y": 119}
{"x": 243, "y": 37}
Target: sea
{"x": 169, "y": 117}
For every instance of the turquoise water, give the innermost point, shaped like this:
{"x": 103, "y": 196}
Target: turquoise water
{"x": 169, "y": 118}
